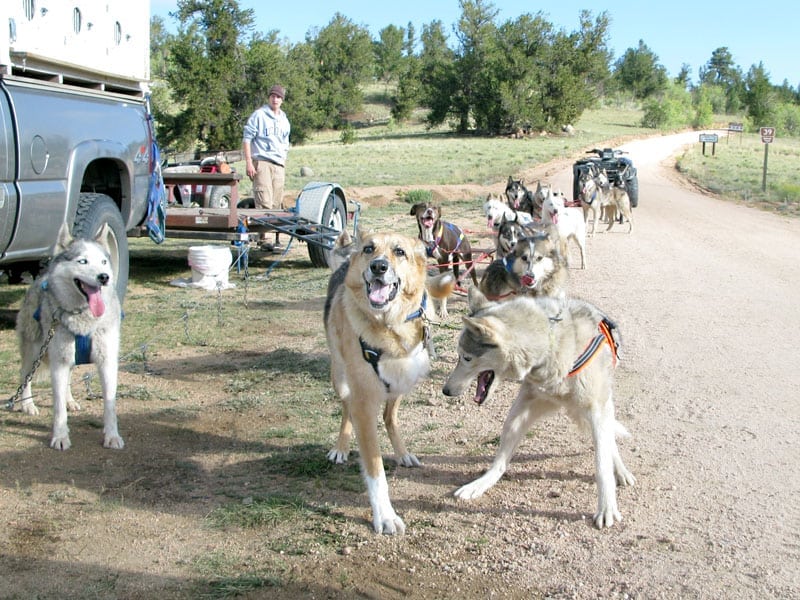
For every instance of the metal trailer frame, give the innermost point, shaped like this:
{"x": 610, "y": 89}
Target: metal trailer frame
{"x": 320, "y": 214}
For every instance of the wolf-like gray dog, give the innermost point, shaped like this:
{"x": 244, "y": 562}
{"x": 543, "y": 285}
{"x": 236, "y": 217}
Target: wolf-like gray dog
{"x": 73, "y": 309}
{"x": 564, "y": 352}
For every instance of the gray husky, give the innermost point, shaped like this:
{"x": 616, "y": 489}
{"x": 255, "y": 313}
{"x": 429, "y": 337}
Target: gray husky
{"x": 534, "y": 266}
{"x": 73, "y": 310}
{"x": 564, "y": 352}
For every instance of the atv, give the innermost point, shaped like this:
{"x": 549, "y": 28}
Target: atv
{"x": 617, "y": 167}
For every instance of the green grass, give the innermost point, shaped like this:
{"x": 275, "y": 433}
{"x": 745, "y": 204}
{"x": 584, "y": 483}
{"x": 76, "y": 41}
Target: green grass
{"x": 252, "y": 513}
{"x": 736, "y": 171}
{"x": 410, "y": 155}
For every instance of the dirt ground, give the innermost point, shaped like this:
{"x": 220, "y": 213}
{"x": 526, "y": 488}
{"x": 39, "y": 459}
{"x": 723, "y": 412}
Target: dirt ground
{"x": 705, "y": 293}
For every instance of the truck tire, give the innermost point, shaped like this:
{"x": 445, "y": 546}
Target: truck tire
{"x": 334, "y": 215}
{"x": 93, "y": 211}
{"x": 219, "y": 196}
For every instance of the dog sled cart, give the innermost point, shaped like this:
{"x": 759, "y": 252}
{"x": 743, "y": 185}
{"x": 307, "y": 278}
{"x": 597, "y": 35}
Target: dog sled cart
{"x": 320, "y": 214}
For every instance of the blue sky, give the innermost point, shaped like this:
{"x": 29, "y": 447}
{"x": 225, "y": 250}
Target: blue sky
{"x": 677, "y": 31}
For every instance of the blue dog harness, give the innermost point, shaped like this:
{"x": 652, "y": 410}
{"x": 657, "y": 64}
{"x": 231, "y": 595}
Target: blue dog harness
{"x": 431, "y": 248}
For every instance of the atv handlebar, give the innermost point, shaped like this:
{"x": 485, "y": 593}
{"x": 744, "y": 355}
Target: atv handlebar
{"x": 606, "y": 152}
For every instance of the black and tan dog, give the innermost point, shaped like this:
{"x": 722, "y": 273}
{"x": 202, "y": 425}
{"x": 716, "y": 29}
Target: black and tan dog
{"x": 445, "y": 243}
{"x": 377, "y": 330}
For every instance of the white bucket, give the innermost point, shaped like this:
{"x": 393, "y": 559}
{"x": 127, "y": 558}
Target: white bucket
{"x": 210, "y": 265}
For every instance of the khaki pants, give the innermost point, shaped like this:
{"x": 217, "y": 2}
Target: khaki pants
{"x": 268, "y": 185}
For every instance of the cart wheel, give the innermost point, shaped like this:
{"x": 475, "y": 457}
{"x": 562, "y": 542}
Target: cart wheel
{"x": 334, "y": 215}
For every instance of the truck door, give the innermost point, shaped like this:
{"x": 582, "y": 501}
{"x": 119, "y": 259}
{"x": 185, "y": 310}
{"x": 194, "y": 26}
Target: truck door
{"x": 8, "y": 191}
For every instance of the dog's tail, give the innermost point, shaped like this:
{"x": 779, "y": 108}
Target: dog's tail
{"x": 440, "y": 286}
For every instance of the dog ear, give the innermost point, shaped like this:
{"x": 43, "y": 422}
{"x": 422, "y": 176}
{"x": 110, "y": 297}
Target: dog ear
{"x": 415, "y": 208}
{"x": 63, "y": 240}
{"x": 477, "y": 300}
{"x": 484, "y": 329}
{"x": 103, "y": 236}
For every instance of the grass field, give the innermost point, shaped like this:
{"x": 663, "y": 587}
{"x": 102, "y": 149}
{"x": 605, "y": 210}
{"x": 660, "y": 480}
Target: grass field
{"x": 387, "y": 154}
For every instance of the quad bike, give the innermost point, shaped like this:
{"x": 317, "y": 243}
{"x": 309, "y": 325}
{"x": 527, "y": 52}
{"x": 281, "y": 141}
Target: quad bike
{"x": 617, "y": 167}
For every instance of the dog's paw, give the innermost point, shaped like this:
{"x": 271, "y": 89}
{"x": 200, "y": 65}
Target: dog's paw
{"x": 408, "y": 460}
{"x": 113, "y": 441}
{"x": 389, "y": 524}
{"x": 606, "y": 516}
{"x": 472, "y": 490}
{"x": 337, "y": 457}
{"x": 60, "y": 442}
{"x": 73, "y": 406}
{"x": 28, "y": 407}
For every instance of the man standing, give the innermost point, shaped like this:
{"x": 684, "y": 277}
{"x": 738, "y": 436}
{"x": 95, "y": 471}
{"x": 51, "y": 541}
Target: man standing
{"x": 265, "y": 145}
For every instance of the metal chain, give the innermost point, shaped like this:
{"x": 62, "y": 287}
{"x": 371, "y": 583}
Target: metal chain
{"x": 220, "y": 321}
{"x": 29, "y": 377}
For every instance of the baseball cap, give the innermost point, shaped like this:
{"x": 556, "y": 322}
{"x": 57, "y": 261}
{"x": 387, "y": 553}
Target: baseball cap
{"x": 278, "y": 90}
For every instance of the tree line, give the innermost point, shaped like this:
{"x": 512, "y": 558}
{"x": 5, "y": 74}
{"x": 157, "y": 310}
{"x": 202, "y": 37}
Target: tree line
{"x": 490, "y": 78}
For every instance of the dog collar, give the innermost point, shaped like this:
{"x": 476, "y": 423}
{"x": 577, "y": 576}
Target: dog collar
{"x": 420, "y": 314}
{"x": 501, "y": 296}
{"x": 421, "y": 310}
{"x": 605, "y": 336}
{"x": 508, "y": 262}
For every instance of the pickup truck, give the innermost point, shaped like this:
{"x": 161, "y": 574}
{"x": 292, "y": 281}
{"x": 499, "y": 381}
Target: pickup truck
{"x": 76, "y": 140}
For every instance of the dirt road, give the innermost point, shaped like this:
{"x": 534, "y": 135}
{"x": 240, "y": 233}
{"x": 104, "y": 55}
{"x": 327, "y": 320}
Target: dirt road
{"x": 708, "y": 294}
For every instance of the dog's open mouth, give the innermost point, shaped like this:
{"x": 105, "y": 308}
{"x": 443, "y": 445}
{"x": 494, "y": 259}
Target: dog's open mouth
{"x": 528, "y": 281}
{"x": 428, "y": 221}
{"x": 554, "y": 217}
{"x": 381, "y": 293}
{"x": 93, "y": 297}
{"x": 485, "y": 379}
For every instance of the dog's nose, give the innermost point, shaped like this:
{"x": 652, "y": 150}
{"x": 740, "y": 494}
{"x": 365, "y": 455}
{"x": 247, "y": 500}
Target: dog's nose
{"x": 103, "y": 278}
{"x": 379, "y": 266}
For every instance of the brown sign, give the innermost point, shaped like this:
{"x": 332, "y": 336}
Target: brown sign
{"x": 767, "y": 135}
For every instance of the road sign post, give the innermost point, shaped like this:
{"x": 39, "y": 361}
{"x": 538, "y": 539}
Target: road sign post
{"x": 735, "y": 128}
{"x": 709, "y": 138}
{"x": 767, "y": 137}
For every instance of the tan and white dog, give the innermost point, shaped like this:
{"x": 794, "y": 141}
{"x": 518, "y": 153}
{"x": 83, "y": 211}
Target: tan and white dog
{"x": 377, "y": 330}
{"x": 564, "y": 353}
{"x": 73, "y": 310}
